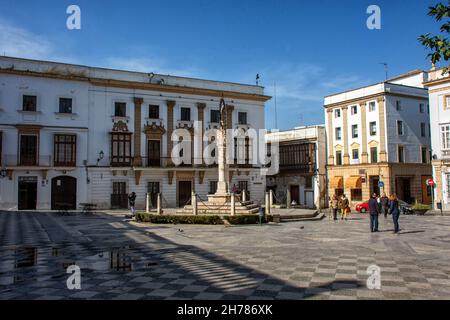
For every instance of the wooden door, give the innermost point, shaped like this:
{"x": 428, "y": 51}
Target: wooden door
{"x": 184, "y": 193}
{"x": 154, "y": 153}
{"x": 426, "y": 190}
{"x": 295, "y": 194}
{"x": 64, "y": 193}
{"x": 153, "y": 190}
{"x": 119, "y": 197}
{"x": 27, "y": 198}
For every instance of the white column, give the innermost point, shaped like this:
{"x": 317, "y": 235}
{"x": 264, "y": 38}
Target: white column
{"x": 271, "y": 198}
{"x": 158, "y": 204}
{"x": 244, "y": 195}
{"x": 147, "y": 202}
{"x": 267, "y": 203}
{"x": 194, "y": 203}
{"x": 222, "y": 181}
{"x": 288, "y": 197}
{"x": 233, "y": 204}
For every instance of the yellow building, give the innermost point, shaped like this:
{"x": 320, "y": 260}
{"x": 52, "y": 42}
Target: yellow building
{"x": 378, "y": 140}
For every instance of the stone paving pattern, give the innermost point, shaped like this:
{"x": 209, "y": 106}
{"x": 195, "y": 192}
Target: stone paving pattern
{"x": 121, "y": 259}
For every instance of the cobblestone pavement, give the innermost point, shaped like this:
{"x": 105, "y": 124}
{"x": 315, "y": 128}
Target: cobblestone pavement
{"x": 120, "y": 259}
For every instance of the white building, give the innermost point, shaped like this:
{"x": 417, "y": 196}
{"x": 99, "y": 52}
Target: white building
{"x": 379, "y": 140}
{"x": 302, "y": 166}
{"x": 439, "y": 91}
{"x": 73, "y": 134}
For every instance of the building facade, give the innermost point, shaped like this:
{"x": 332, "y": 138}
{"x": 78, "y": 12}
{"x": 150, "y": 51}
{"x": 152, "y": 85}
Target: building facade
{"x": 302, "y": 166}
{"x": 439, "y": 91}
{"x": 74, "y": 134}
{"x": 379, "y": 140}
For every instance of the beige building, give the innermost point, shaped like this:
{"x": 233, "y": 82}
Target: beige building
{"x": 378, "y": 140}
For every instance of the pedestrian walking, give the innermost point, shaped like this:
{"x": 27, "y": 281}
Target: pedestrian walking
{"x": 334, "y": 204}
{"x": 132, "y": 203}
{"x": 384, "y": 201}
{"x": 345, "y": 207}
{"x": 374, "y": 210}
{"x": 394, "y": 209}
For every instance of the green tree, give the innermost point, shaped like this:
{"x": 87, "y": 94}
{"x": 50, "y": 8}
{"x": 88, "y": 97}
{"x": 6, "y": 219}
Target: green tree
{"x": 438, "y": 44}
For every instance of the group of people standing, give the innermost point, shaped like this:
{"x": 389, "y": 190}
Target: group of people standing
{"x": 340, "y": 205}
{"x": 385, "y": 205}
{"x": 377, "y": 205}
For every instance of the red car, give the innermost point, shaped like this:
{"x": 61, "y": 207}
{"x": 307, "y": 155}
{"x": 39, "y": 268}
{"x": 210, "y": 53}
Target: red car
{"x": 362, "y": 207}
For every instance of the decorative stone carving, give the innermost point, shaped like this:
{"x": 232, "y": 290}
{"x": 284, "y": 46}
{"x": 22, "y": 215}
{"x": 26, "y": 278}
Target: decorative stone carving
{"x": 120, "y": 126}
{"x": 154, "y": 128}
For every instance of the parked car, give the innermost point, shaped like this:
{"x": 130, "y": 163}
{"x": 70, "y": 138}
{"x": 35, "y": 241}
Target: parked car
{"x": 405, "y": 208}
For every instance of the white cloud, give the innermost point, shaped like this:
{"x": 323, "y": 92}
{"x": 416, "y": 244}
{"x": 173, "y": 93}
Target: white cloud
{"x": 18, "y": 42}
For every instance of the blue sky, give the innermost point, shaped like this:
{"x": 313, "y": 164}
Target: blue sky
{"x": 309, "y": 48}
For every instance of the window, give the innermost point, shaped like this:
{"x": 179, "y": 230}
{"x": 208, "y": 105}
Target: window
{"x": 65, "y": 150}
{"x": 445, "y": 136}
{"x": 398, "y": 105}
{"x": 243, "y": 185}
{"x": 337, "y": 113}
{"x": 421, "y": 108}
{"x": 338, "y": 133}
{"x": 372, "y": 106}
{"x": 400, "y": 127}
{"x": 447, "y": 102}
{"x": 308, "y": 182}
{"x": 354, "y": 110}
{"x": 29, "y": 103}
{"x": 373, "y": 155}
{"x": 28, "y": 150}
{"x": 215, "y": 116}
{"x": 242, "y": 117}
{"x": 65, "y": 105}
{"x": 212, "y": 187}
{"x": 120, "y": 149}
{"x": 355, "y": 131}
{"x": 356, "y": 194}
{"x": 153, "y": 111}
{"x": 185, "y": 114}
{"x": 373, "y": 128}
{"x": 424, "y": 155}
{"x": 401, "y": 154}
{"x": 423, "y": 129}
{"x": 339, "y": 158}
{"x": 448, "y": 185}
{"x": 120, "y": 109}
{"x": 355, "y": 154}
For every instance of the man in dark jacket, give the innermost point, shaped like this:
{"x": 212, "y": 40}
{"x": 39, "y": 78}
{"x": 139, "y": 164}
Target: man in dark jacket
{"x": 132, "y": 203}
{"x": 374, "y": 210}
{"x": 384, "y": 201}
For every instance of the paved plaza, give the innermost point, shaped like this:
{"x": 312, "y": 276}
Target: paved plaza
{"x": 121, "y": 259}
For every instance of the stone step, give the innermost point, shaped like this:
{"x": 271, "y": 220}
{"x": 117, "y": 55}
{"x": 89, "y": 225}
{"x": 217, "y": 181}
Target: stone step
{"x": 306, "y": 217}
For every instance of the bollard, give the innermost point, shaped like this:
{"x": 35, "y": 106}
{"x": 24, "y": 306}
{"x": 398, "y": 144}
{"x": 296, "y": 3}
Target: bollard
{"x": 267, "y": 204}
{"x": 233, "y": 206}
{"x": 288, "y": 198}
{"x": 158, "y": 204}
{"x": 147, "y": 202}
{"x": 194, "y": 203}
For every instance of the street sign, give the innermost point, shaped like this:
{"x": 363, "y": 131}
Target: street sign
{"x": 430, "y": 183}
{"x": 380, "y": 184}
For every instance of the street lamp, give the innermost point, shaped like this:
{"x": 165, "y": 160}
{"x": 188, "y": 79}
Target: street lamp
{"x": 101, "y": 155}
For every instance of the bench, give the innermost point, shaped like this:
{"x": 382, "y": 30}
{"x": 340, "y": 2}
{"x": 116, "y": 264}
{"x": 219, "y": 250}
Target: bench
{"x": 87, "y": 208}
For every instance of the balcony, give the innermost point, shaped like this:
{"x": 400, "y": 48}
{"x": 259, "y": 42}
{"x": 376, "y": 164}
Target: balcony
{"x": 26, "y": 161}
{"x": 445, "y": 154}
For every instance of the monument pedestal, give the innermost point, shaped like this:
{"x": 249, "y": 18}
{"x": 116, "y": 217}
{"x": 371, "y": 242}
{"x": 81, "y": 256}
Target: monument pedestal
{"x": 219, "y": 198}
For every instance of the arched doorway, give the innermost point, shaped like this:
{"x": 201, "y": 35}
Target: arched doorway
{"x": 64, "y": 193}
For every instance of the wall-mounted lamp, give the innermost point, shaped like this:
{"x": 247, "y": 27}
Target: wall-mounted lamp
{"x": 3, "y": 173}
{"x": 101, "y": 155}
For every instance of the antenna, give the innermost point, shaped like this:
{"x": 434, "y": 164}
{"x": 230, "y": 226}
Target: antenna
{"x": 386, "y": 68}
{"x": 275, "y": 100}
